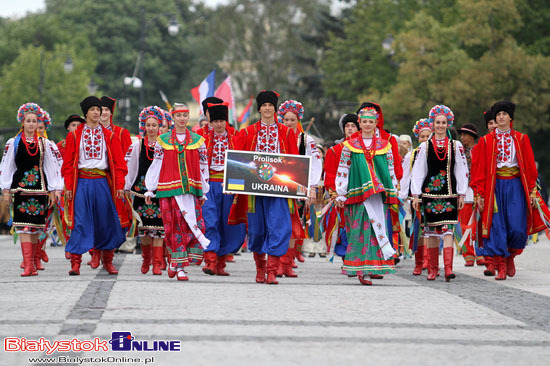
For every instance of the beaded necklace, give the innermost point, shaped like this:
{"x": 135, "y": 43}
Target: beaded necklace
{"x": 32, "y": 145}
{"x": 440, "y": 150}
{"x": 371, "y": 150}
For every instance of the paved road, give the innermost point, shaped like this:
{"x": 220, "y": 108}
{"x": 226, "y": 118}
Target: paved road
{"x": 319, "y": 318}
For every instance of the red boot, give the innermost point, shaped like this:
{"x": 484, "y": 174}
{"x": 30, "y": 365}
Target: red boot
{"x": 510, "y": 265}
{"x": 210, "y": 258}
{"x": 300, "y": 257}
{"x": 43, "y": 254}
{"x": 425, "y": 265}
{"x": 489, "y": 266}
{"x": 91, "y": 251}
{"x": 165, "y": 258}
{"x": 448, "y": 261}
{"x": 480, "y": 261}
{"x": 280, "y": 269}
{"x": 433, "y": 263}
{"x": 418, "y": 260}
{"x": 158, "y": 257}
{"x": 107, "y": 257}
{"x": 261, "y": 264}
{"x": 146, "y": 253}
{"x": 272, "y": 265}
{"x": 286, "y": 263}
{"x": 220, "y": 266}
{"x": 229, "y": 258}
{"x": 500, "y": 264}
{"x": 76, "y": 259}
{"x": 37, "y": 256}
{"x": 28, "y": 262}
{"x": 96, "y": 258}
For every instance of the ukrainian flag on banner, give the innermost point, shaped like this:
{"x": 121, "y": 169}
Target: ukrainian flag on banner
{"x": 235, "y": 184}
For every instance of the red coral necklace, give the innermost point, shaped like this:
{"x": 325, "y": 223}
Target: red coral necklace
{"x": 32, "y": 145}
{"x": 440, "y": 150}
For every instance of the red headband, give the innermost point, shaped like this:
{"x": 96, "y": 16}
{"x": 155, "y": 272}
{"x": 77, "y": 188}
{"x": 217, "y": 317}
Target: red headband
{"x": 225, "y": 104}
{"x": 180, "y": 111}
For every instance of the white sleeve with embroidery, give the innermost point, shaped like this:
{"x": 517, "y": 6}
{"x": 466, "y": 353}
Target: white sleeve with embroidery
{"x": 132, "y": 160}
{"x": 342, "y": 174}
{"x": 389, "y": 158}
{"x": 7, "y": 166}
{"x": 316, "y": 168}
{"x": 461, "y": 169}
{"x": 419, "y": 170}
{"x": 406, "y": 180}
{"x": 153, "y": 173}
{"x": 205, "y": 173}
{"x": 52, "y": 166}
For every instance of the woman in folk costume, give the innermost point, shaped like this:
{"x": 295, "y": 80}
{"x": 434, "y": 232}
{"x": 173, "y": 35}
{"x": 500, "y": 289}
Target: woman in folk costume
{"x": 290, "y": 114}
{"x": 224, "y": 238}
{"x": 440, "y": 179}
{"x": 30, "y": 177}
{"x": 365, "y": 184}
{"x": 179, "y": 175}
{"x": 504, "y": 178}
{"x": 138, "y": 158}
{"x": 333, "y": 222}
{"x": 422, "y": 130}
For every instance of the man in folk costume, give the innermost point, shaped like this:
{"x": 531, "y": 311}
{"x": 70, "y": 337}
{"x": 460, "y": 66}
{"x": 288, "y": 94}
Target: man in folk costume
{"x": 94, "y": 171}
{"x": 422, "y": 130}
{"x": 71, "y": 124}
{"x": 468, "y": 136}
{"x": 491, "y": 124}
{"x": 504, "y": 181}
{"x": 224, "y": 238}
{"x": 440, "y": 177}
{"x": 204, "y": 130}
{"x": 290, "y": 113}
{"x": 108, "y": 105}
{"x": 269, "y": 223}
{"x": 179, "y": 175}
{"x": 349, "y": 125}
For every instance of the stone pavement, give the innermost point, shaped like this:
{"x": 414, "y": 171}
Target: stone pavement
{"x": 319, "y": 318}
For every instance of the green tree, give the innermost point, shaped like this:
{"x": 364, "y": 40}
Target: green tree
{"x": 37, "y": 75}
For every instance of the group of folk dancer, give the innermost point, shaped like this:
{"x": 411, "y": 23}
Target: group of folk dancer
{"x": 171, "y": 182}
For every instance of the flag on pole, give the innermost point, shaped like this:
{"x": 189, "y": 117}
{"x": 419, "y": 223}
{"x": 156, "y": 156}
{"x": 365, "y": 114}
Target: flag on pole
{"x": 225, "y": 92}
{"x": 245, "y": 114}
{"x": 205, "y": 89}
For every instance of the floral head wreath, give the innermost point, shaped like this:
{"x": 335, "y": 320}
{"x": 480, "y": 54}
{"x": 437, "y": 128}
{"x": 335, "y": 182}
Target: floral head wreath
{"x": 29, "y": 108}
{"x": 291, "y": 106}
{"x": 421, "y": 124}
{"x": 168, "y": 119}
{"x": 441, "y": 110}
{"x": 369, "y": 110}
{"x": 46, "y": 119}
{"x": 149, "y": 112}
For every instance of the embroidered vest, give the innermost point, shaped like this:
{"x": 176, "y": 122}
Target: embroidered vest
{"x": 369, "y": 178}
{"x": 439, "y": 198}
{"x": 180, "y": 172}
{"x": 138, "y": 187}
{"x": 29, "y": 175}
